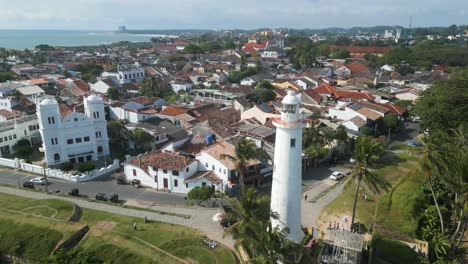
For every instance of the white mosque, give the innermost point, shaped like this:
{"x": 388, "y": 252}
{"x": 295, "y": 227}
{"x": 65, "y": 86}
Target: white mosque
{"x": 76, "y": 137}
{"x": 287, "y": 169}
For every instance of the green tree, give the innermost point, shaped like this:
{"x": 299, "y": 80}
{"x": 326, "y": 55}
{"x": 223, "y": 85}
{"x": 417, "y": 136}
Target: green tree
{"x": 245, "y": 151}
{"x": 23, "y": 148}
{"x": 118, "y": 134}
{"x": 405, "y": 69}
{"x": 444, "y": 106}
{"x": 44, "y": 47}
{"x": 431, "y": 164}
{"x": 340, "y": 54}
{"x": 75, "y": 256}
{"x": 390, "y": 122}
{"x": 367, "y": 152}
{"x": 66, "y": 166}
{"x": 192, "y": 49}
{"x": 142, "y": 139}
{"x": 265, "y": 84}
{"x": 86, "y": 166}
{"x": 316, "y": 153}
{"x": 261, "y": 95}
{"x": 113, "y": 93}
{"x": 200, "y": 194}
{"x": 6, "y": 76}
{"x": 151, "y": 87}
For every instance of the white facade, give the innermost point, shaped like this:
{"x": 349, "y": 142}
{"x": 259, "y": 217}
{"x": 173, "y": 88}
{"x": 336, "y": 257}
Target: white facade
{"x": 100, "y": 87}
{"x": 287, "y": 171}
{"x": 77, "y": 137}
{"x": 342, "y": 112}
{"x": 12, "y": 131}
{"x": 127, "y": 74}
{"x": 270, "y": 54}
{"x": 177, "y": 87}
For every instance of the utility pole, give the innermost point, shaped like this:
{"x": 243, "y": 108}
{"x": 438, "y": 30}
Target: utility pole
{"x": 44, "y": 165}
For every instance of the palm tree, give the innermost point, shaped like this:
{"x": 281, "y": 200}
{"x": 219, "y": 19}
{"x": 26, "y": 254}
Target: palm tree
{"x": 366, "y": 152}
{"x": 245, "y": 150}
{"x": 431, "y": 165}
{"x": 249, "y": 211}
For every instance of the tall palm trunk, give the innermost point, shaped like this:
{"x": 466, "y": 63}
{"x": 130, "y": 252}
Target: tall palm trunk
{"x": 454, "y": 235}
{"x": 437, "y": 206}
{"x": 359, "y": 178}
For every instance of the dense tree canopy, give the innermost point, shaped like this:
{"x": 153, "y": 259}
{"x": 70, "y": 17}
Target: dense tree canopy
{"x": 444, "y": 105}
{"x": 193, "y": 49}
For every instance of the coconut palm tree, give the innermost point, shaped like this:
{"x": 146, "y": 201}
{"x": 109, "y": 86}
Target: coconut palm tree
{"x": 245, "y": 150}
{"x": 366, "y": 152}
{"x": 432, "y": 165}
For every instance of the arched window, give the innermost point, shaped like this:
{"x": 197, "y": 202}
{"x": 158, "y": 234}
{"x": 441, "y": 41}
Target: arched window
{"x": 99, "y": 149}
{"x": 56, "y": 157}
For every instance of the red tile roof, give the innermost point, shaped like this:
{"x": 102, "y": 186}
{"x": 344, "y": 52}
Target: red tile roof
{"x": 357, "y": 67}
{"x": 314, "y": 95}
{"x": 395, "y": 109}
{"x": 254, "y": 45}
{"x": 325, "y": 88}
{"x": 161, "y": 160}
{"x": 353, "y": 95}
{"x": 172, "y": 111}
{"x": 9, "y": 114}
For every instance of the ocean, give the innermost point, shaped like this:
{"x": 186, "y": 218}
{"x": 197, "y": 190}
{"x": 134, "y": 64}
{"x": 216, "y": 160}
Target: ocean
{"x": 28, "y": 39}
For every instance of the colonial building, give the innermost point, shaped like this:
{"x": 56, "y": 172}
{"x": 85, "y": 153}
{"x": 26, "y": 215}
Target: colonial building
{"x": 126, "y": 73}
{"x": 11, "y": 131}
{"x": 76, "y": 137}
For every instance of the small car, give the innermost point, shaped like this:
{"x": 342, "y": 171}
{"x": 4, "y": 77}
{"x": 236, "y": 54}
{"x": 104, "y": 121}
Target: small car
{"x": 136, "y": 183}
{"x": 336, "y": 175}
{"x": 28, "y": 185}
{"x": 101, "y": 197}
{"x": 74, "y": 192}
{"x": 38, "y": 181}
{"x": 114, "y": 198}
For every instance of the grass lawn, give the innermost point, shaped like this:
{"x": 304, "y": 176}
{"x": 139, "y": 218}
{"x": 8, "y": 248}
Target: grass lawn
{"x": 395, "y": 210}
{"x": 391, "y": 251}
{"x": 111, "y": 236}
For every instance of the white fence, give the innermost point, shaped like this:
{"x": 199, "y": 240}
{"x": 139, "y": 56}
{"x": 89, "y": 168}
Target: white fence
{"x": 58, "y": 174}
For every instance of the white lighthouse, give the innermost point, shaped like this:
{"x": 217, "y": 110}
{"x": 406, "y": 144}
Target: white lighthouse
{"x": 287, "y": 170}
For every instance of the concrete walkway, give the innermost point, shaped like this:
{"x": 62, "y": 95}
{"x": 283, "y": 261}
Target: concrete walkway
{"x": 200, "y": 219}
{"x": 311, "y": 208}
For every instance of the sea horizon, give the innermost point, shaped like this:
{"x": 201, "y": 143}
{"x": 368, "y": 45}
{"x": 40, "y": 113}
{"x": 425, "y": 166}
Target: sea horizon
{"x": 29, "y": 38}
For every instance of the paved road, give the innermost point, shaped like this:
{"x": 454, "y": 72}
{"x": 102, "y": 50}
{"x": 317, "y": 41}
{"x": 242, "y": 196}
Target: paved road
{"x": 200, "y": 219}
{"x": 105, "y": 185}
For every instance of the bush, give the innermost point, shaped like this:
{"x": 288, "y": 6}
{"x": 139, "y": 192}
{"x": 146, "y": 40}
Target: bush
{"x": 86, "y": 166}
{"x": 23, "y": 148}
{"x": 66, "y": 166}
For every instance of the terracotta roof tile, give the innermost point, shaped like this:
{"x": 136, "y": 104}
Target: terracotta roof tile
{"x": 224, "y": 147}
{"x": 161, "y": 160}
{"x": 325, "y": 88}
{"x": 368, "y": 113}
{"x": 172, "y": 111}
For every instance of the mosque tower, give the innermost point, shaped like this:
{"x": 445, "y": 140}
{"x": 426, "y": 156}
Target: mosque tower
{"x": 287, "y": 171}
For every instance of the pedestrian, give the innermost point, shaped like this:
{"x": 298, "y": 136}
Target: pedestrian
{"x": 329, "y": 225}
{"x": 305, "y": 197}
{"x": 135, "y": 226}
{"x": 334, "y": 225}
{"x": 337, "y": 226}
{"x": 365, "y": 197}
{"x": 145, "y": 220}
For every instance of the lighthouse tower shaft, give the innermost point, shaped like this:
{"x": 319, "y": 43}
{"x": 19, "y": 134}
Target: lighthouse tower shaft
{"x": 287, "y": 171}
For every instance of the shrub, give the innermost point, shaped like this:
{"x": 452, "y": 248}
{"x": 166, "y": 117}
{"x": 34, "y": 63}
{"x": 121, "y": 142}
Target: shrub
{"x": 66, "y": 166}
{"x": 86, "y": 166}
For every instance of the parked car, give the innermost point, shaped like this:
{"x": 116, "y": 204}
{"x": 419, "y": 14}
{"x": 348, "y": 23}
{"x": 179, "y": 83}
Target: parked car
{"x": 136, "y": 183}
{"x": 101, "y": 197}
{"x": 28, "y": 185}
{"x": 114, "y": 198}
{"x": 38, "y": 181}
{"x": 74, "y": 192}
{"x": 336, "y": 175}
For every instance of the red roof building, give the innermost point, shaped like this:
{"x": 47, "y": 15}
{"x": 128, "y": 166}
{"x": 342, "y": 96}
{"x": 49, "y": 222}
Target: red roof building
{"x": 360, "y": 51}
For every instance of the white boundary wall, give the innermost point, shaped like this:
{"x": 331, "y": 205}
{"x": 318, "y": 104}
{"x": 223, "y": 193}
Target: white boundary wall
{"x": 58, "y": 174}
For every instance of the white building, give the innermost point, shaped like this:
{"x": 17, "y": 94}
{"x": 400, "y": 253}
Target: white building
{"x": 169, "y": 171}
{"x": 12, "y": 131}
{"x": 287, "y": 173}
{"x": 76, "y": 137}
{"x": 126, "y": 74}
{"x": 270, "y": 54}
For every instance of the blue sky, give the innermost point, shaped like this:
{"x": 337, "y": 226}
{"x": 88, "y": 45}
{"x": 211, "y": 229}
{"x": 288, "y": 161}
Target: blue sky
{"x": 215, "y": 14}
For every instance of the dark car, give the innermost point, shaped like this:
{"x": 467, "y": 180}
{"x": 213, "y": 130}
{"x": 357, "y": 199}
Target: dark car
{"x": 74, "y": 192}
{"x": 101, "y": 197}
{"x": 114, "y": 198}
{"x": 136, "y": 183}
{"x": 28, "y": 185}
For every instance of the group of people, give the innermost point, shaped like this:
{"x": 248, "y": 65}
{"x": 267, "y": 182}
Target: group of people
{"x": 336, "y": 225}
{"x": 210, "y": 243}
